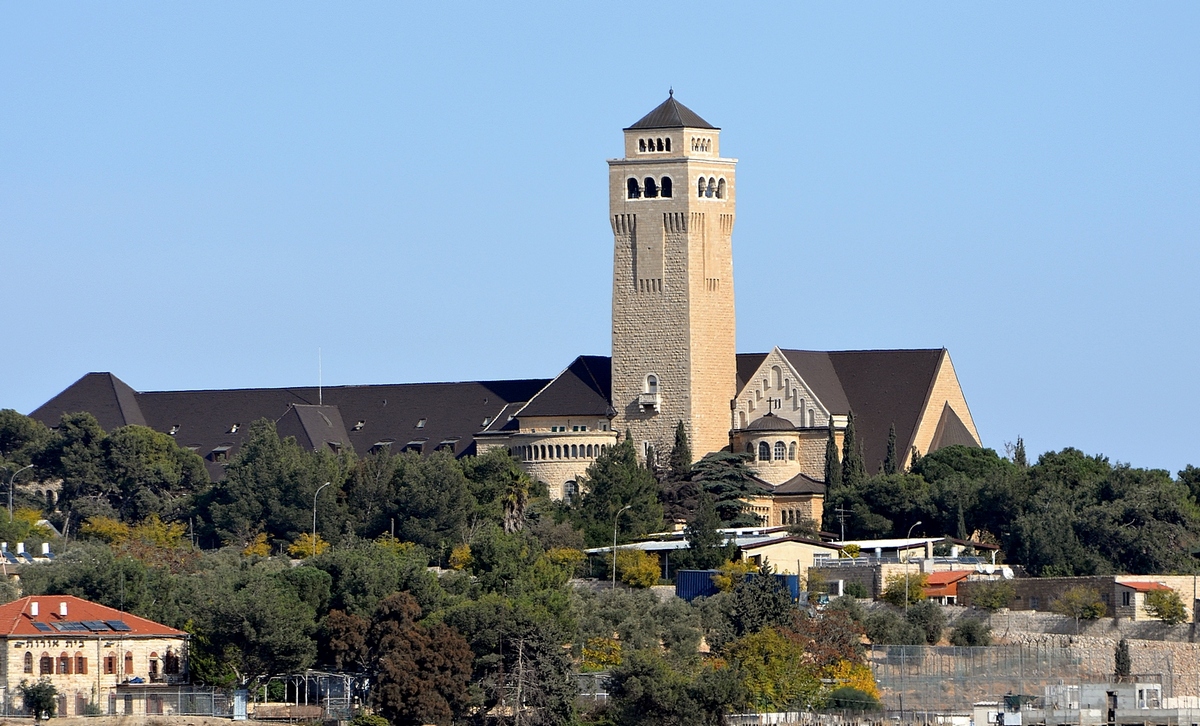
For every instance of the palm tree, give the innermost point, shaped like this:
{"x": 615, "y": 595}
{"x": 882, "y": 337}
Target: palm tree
{"x": 515, "y": 497}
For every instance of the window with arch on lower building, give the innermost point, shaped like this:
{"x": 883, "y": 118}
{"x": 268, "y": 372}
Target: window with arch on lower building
{"x": 792, "y": 451}
{"x": 651, "y": 187}
{"x": 664, "y": 187}
{"x": 764, "y": 451}
{"x": 634, "y": 191}
{"x": 46, "y": 665}
{"x": 128, "y": 663}
{"x": 570, "y": 491}
{"x": 28, "y": 662}
{"x": 780, "y": 451}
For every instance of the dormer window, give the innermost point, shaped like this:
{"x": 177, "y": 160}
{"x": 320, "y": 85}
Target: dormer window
{"x": 359, "y": 426}
{"x": 421, "y": 423}
{"x": 234, "y": 428}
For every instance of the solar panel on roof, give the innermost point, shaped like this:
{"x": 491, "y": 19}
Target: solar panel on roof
{"x": 70, "y": 626}
{"x": 43, "y": 627}
{"x": 97, "y": 625}
{"x": 118, "y": 625}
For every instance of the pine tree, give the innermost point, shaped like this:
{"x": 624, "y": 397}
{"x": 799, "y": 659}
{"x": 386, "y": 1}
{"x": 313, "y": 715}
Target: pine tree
{"x": 854, "y": 471}
{"x": 891, "y": 462}
{"x": 681, "y": 455}
{"x": 833, "y": 465}
{"x": 1019, "y": 454}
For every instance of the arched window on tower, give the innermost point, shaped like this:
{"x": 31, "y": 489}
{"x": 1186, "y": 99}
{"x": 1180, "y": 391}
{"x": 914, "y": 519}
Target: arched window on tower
{"x": 721, "y": 189}
{"x": 660, "y": 145}
{"x": 764, "y": 451}
{"x": 780, "y": 451}
{"x": 812, "y": 418}
{"x": 651, "y": 383}
{"x": 634, "y": 192}
{"x": 651, "y": 188}
{"x": 711, "y": 190}
{"x": 741, "y": 419}
{"x": 777, "y": 376}
{"x": 700, "y": 187}
{"x": 665, "y": 189}
{"x": 792, "y": 451}
{"x": 667, "y": 141}
{"x": 641, "y": 144}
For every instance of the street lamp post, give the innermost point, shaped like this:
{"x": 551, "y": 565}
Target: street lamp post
{"x": 314, "y": 534}
{"x": 615, "y": 519}
{"x": 910, "y": 529}
{"x": 11, "y": 479}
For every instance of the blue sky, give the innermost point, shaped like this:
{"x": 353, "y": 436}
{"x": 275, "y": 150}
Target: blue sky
{"x": 201, "y": 195}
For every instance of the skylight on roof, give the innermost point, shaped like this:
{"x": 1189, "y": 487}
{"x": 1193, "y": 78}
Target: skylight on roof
{"x": 119, "y": 626}
{"x": 359, "y": 426}
{"x": 421, "y": 424}
{"x": 43, "y": 627}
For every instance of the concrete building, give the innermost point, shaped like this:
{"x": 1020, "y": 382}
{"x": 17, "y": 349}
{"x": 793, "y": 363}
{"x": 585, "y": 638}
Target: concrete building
{"x": 101, "y": 660}
{"x": 673, "y": 204}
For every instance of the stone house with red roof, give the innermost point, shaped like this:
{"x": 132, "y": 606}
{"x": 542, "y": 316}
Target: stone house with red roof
{"x": 100, "y": 659}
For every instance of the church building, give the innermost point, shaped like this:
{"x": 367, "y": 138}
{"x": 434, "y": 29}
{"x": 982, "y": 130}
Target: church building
{"x": 672, "y": 202}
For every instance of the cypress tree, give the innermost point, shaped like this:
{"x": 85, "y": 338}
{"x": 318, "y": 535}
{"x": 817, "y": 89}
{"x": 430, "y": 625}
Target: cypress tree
{"x": 681, "y": 455}
{"x": 1019, "y": 454}
{"x": 833, "y": 466}
{"x": 854, "y": 471}
{"x": 916, "y": 458}
{"x": 890, "y": 462}
{"x": 1123, "y": 661}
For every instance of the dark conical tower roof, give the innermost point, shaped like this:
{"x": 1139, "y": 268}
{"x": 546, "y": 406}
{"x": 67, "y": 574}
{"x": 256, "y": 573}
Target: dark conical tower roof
{"x": 671, "y": 114}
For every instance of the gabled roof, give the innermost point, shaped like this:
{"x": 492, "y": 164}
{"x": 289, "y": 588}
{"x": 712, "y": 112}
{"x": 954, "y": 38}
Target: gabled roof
{"x": 950, "y": 431}
{"x": 671, "y": 114}
{"x": 206, "y": 420}
{"x": 315, "y": 427}
{"x": 800, "y": 484}
{"x": 583, "y": 389}
{"x": 83, "y": 619}
{"x": 881, "y": 387}
{"x": 108, "y": 398}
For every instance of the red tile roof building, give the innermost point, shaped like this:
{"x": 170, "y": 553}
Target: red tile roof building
{"x": 94, "y": 655}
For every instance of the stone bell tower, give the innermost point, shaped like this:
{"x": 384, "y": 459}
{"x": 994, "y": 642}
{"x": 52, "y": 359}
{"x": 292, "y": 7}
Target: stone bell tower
{"x": 673, "y": 350}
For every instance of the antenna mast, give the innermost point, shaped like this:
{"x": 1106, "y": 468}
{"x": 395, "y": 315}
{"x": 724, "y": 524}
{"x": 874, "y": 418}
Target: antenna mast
{"x": 320, "y": 387}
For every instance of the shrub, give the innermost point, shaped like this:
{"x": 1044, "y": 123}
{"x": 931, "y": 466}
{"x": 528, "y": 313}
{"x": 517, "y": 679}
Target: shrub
{"x": 927, "y": 616}
{"x": 847, "y": 698}
{"x": 992, "y": 596}
{"x": 913, "y": 584}
{"x": 369, "y": 719}
{"x": 856, "y": 589}
{"x": 970, "y": 631}
{"x": 1166, "y": 606}
{"x": 637, "y": 568}
{"x": 885, "y": 627}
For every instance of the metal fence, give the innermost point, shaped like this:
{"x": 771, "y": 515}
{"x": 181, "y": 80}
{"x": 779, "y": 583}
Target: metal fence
{"x": 127, "y": 701}
{"x": 930, "y": 678}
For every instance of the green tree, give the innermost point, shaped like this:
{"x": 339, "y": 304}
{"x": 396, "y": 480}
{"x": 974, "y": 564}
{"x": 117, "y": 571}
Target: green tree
{"x": 891, "y": 462}
{"x": 905, "y": 586}
{"x": 1080, "y": 603}
{"x": 615, "y": 480}
{"x": 707, "y": 548}
{"x": 1166, "y": 606}
{"x": 646, "y": 689}
{"x": 1122, "y": 661}
{"x": 515, "y": 499}
{"x": 854, "y": 470}
{"x": 992, "y": 595}
{"x": 929, "y": 617}
{"x": 75, "y": 454}
{"x": 971, "y": 632}
{"x": 147, "y": 473}
{"x": 40, "y": 698}
{"x": 848, "y": 698}
{"x": 833, "y": 465}
{"x": 22, "y": 439}
{"x": 886, "y": 627}
{"x": 728, "y": 480}
{"x": 758, "y": 601}
{"x": 775, "y": 671}
{"x": 681, "y": 455}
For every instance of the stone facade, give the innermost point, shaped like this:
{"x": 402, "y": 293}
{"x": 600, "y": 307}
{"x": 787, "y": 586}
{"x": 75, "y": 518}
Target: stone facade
{"x": 945, "y": 391}
{"x": 91, "y": 670}
{"x": 1120, "y": 600}
{"x": 802, "y": 452}
{"x": 673, "y": 333}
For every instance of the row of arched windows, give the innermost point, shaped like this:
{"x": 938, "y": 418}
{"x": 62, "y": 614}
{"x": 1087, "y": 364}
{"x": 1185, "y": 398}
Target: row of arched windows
{"x": 701, "y": 144}
{"x": 780, "y": 451}
{"x": 649, "y": 189}
{"x": 654, "y": 144}
{"x": 559, "y": 451}
{"x": 710, "y": 187}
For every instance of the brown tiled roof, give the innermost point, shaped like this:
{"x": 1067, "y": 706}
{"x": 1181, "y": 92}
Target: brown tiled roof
{"x": 771, "y": 422}
{"x": 800, "y": 484}
{"x": 671, "y": 114}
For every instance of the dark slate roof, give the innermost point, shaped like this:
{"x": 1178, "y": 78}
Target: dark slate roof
{"x": 206, "y": 420}
{"x": 950, "y": 431}
{"x": 671, "y": 114}
{"x": 881, "y": 387}
{"x": 583, "y": 389}
{"x": 800, "y": 484}
{"x": 108, "y": 398}
{"x": 314, "y": 427}
{"x": 771, "y": 422}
